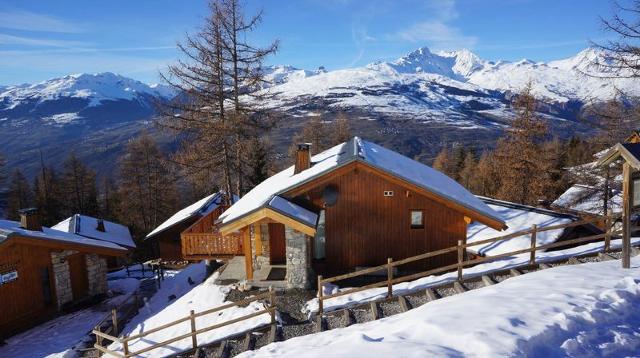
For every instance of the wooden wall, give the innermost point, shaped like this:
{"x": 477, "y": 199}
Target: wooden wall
{"x": 22, "y": 301}
{"x": 167, "y": 245}
{"x": 364, "y": 227}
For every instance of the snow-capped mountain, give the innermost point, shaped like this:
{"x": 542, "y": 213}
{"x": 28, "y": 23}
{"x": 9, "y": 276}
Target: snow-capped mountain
{"x": 279, "y": 74}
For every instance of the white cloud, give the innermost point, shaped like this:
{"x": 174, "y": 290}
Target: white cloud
{"x": 29, "y": 41}
{"x": 30, "y": 21}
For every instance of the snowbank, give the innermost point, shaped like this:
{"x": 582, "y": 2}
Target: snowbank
{"x": 174, "y": 301}
{"x": 435, "y": 280}
{"x": 577, "y": 310}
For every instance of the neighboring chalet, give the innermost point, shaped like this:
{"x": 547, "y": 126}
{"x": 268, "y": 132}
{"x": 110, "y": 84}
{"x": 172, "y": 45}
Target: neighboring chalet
{"x": 165, "y": 238}
{"x": 353, "y": 205}
{"x": 521, "y": 217}
{"x": 43, "y": 271}
{"x": 99, "y": 229}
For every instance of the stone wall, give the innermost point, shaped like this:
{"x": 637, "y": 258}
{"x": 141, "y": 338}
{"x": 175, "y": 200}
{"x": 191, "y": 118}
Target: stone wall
{"x": 298, "y": 251}
{"x": 96, "y": 274}
{"x": 260, "y": 259}
{"x": 62, "y": 277}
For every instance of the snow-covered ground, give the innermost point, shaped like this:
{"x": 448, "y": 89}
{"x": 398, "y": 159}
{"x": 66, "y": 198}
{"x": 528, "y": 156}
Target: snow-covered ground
{"x": 588, "y": 310}
{"x": 59, "y": 337}
{"x": 435, "y": 280}
{"x": 174, "y": 301}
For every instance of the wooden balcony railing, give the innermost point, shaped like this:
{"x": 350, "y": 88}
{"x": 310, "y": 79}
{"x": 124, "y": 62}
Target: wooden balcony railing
{"x": 210, "y": 245}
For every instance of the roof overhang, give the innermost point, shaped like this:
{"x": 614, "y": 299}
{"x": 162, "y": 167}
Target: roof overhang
{"x": 62, "y": 245}
{"x": 621, "y": 150}
{"x": 267, "y": 214}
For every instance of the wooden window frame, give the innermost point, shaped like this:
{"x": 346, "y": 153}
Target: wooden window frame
{"x": 417, "y": 227}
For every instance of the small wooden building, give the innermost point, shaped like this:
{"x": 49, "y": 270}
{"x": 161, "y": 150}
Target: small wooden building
{"x": 99, "y": 229}
{"x": 165, "y": 238}
{"x": 43, "y": 271}
{"x": 353, "y": 205}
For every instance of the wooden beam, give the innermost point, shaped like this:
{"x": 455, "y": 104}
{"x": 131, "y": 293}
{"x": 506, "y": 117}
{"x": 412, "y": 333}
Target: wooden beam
{"x": 248, "y": 259}
{"x": 626, "y": 215}
{"x": 264, "y": 213}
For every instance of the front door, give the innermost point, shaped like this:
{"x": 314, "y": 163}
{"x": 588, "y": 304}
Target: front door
{"x": 277, "y": 244}
{"x": 78, "y": 272}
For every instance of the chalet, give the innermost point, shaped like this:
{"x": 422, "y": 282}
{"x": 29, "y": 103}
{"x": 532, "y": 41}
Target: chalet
{"x": 43, "y": 271}
{"x": 353, "y": 205}
{"x": 521, "y": 217}
{"x": 99, "y": 229}
{"x": 165, "y": 238}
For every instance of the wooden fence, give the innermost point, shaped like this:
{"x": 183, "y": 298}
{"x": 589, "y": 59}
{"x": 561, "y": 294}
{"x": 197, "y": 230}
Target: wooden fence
{"x": 460, "y": 248}
{"x": 125, "y": 340}
{"x": 195, "y": 245}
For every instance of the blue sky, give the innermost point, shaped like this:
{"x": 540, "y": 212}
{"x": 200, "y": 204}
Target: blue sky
{"x": 44, "y": 39}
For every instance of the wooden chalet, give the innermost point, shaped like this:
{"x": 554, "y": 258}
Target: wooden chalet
{"x": 43, "y": 271}
{"x": 166, "y": 238}
{"x": 99, "y": 229}
{"x": 353, "y": 205}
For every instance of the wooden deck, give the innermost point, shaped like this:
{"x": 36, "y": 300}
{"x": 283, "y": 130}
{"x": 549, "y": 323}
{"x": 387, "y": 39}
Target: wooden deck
{"x": 203, "y": 240}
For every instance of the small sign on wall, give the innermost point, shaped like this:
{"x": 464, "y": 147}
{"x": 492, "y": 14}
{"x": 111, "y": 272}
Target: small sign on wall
{"x": 8, "y": 277}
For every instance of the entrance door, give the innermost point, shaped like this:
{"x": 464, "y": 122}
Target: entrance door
{"x": 277, "y": 244}
{"x": 78, "y": 272}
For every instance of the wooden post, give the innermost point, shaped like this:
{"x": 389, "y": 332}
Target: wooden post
{"x": 248, "y": 259}
{"x": 626, "y": 215}
{"x": 460, "y": 259}
{"x": 532, "y": 259}
{"x": 194, "y": 339}
{"x": 320, "y": 295}
{"x": 607, "y": 234}
{"x": 125, "y": 346}
{"x": 114, "y": 321}
{"x": 389, "y": 278}
{"x": 272, "y": 305}
{"x": 98, "y": 338}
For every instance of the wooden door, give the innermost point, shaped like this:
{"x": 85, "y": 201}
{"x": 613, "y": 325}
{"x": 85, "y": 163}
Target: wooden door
{"x": 78, "y": 272}
{"x": 277, "y": 244}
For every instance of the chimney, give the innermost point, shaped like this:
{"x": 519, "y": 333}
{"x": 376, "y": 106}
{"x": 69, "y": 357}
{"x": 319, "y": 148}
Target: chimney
{"x": 30, "y": 220}
{"x": 100, "y": 226}
{"x": 303, "y": 158}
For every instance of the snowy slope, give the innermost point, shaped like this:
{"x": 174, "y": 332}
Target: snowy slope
{"x": 578, "y": 310}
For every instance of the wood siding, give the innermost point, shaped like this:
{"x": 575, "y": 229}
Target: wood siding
{"x": 23, "y": 300}
{"x": 364, "y": 227}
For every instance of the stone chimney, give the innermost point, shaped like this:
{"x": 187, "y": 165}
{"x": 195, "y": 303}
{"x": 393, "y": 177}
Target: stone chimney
{"x": 303, "y": 158}
{"x": 30, "y": 220}
{"x": 100, "y": 226}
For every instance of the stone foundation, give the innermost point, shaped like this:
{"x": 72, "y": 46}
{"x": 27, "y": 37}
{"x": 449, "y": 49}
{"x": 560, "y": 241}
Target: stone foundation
{"x": 96, "y": 274}
{"x": 298, "y": 250}
{"x": 260, "y": 259}
{"x": 62, "y": 277}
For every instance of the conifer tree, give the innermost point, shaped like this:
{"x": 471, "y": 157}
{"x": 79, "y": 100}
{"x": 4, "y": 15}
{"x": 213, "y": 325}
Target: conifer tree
{"x": 78, "y": 187}
{"x": 48, "y": 196}
{"x": 19, "y": 196}
{"x": 445, "y": 163}
{"x": 341, "y": 130}
{"x": 468, "y": 170}
{"x": 487, "y": 180}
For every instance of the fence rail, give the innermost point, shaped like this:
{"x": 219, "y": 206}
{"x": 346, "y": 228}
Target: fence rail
{"x": 210, "y": 244}
{"x": 125, "y": 340}
{"x": 461, "y": 262}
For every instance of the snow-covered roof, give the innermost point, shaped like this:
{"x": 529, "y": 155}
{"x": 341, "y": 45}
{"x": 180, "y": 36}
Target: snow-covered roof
{"x": 372, "y": 154}
{"x": 293, "y": 210}
{"x": 200, "y": 207}
{"x": 519, "y": 217}
{"x": 588, "y": 199}
{"x": 9, "y": 229}
{"x": 87, "y": 226}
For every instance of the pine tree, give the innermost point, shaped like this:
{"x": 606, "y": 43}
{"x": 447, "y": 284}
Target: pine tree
{"x": 19, "y": 196}
{"x": 445, "y": 163}
{"x": 487, "y": 180}
{"x": 48, "y": 196}
{"x": 78, "y": 187}
{"x": 468, "y": 170}
{"x": 259, "y": 161}
{"x": 316, "y": 132}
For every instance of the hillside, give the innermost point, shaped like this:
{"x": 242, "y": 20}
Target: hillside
{"x": 415, "y": 104}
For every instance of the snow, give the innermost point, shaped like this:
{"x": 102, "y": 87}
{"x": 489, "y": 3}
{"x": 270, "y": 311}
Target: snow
{"x": 357, "y": 149}
{"x": 518, "y": 219}
{"x": 63, "y": 118}
{"x": 200, "y": 207}
{"x": 576, "y": 310}
{"x": 587, "y": 199}
{"x": 9, "y": 228}
{"x": 295, "y": 211}
{"x": 86, "y": 226}
{"x": 205, "y": 295}
{"x": 434, "y": 280}
{"x": 58, "y": 337}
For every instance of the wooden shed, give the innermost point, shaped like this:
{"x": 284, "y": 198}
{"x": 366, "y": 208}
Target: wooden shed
{"x": 43, "y": 271}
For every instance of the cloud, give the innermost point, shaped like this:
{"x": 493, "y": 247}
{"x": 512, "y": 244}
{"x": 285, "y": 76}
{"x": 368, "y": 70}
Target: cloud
{"x": 437, "y": 31}
{"x": 29, "y": 21}
{"x": 29, "y": 41}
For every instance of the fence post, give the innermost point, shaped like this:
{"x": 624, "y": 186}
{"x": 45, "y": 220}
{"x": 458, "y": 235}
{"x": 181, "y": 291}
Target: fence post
{"x": 142, "y": 264}
{"x": 607, "y": 234}
{"x": 272, "y": 305}
{"x": 125, "y": 346}
{"x": 194, "y": 339}
{"x": 532, "y": 259}
{"x": 98, "y": 338}
{"x": 127, "y": 267}
{"x": 320, "y": 304}
{"x": 114, "y": 321}
{"x": 389, "y": 278}
{"x": 460, "y": 259}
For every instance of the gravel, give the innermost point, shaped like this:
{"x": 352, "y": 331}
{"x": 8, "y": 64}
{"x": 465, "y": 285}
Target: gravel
{"x": 390, "y": 308}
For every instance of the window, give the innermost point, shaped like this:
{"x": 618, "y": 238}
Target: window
{"x": 388, "y": 193}
{"x": 417, "y": 219}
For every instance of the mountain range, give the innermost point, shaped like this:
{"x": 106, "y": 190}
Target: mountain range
{"x": 415, "y": 104}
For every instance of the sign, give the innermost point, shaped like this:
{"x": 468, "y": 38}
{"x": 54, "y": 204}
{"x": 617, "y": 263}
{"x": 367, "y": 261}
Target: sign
{"x": 635, "y": 192}
{"x": 8, "y": 277}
